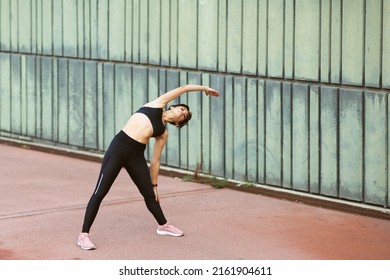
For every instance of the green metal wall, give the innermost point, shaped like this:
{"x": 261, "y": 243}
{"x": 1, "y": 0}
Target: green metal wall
{"x": 305, "y": 84}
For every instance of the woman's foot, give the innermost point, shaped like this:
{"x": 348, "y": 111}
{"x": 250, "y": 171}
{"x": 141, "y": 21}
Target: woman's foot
{"x": 84, "y": 242}
{"x": 169, "y": 229}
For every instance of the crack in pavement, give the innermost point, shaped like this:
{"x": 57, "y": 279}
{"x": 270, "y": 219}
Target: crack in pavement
{"x": 83, "y": 206}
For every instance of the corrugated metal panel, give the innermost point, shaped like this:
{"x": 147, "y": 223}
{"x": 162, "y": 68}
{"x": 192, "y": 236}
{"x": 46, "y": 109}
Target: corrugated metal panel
{"x": 307, "y": 22}
{"x": 352, "y": 42}
{"x": 314, "y": 139}
{"x": 375, "y": 147}
{"x": 273, "y": 133}
{"x": 351, "y": 144}
{"x": 329, "y": 137}
{"x": 332, "y": 41}
{"x": 385, "y": 62}
{"x": 300, "y": 137}
{"x": 287, "y": 150}
{"x": 304, "y": 102}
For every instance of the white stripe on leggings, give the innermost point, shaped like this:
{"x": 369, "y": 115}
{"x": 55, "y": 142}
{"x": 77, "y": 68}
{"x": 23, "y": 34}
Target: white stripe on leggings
{"x": 100, "y": 181}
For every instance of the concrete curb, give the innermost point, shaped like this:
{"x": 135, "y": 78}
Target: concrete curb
{"x": 276, "y": 192}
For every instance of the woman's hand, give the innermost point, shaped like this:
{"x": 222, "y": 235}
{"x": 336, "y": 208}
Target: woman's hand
{"x": 210, "y": 91}
{"x": 156, "y": 194}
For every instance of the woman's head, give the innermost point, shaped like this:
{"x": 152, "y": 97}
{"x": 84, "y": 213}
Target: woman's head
{"x": 183, "y": 114}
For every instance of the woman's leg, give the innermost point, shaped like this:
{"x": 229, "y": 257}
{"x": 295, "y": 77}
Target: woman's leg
{"x": 139, "y": 173}
{"x": 111, "y": 166}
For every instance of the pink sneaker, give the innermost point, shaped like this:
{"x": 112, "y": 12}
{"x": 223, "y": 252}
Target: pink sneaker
{"x": 169, "y": 229}
{"x": 84, "y": 242}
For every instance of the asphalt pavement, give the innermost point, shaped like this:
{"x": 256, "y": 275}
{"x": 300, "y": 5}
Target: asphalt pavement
{"x": 44, "y": 195}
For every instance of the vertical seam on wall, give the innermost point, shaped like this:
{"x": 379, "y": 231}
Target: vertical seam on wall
{"x": 21, "y": 93}
{"x": 293, "y": 42}
{"x": 62, "y": 27}
{"x": 341, "y": 44}
{"x": 57, "y": 90}
{"x": 363, "y": 146}
{"x": 209, "y": 124}
{"x": 319, "y": 41}
{"x": 265, "y": 131}
{"x": 41, "y": 25}
{"x": 330, "y": 41}
{"x": 10, "y": 26}
{"x": 139, "y": 32}
{"x": 330, "y": 44}
{"x": 10, "y": 91}
{"x": 291, "y": 137}
{"x": 364, "y": 43}
{"x": 52, "y": 100}
{"x": 1, "y": 29}
{"x": 284, "y": 43}
{"x": 233, "y": 130}
{"x": 197, "y": 36}
{"x": 31, "y": 17}
{"x": 201, "y": 127}
{"x": 226, "y": 36}
{"x": 242, "y": 39}
{"x": 96, "y": 107}
{"x": 67, "y": 101}
{"x": 114, "y": 95}
{"x": 77, "y": 30}
{"x": 177, "y": 32}
{"x": 103, "y": 105}
{"x": 387, "y": 152}
{"x": 159, "y": 34}
{"x": 281, "y": 134}
{"x": 40, "y": 99}
{"x": 36, "y": 27}
{"x": 246, "y": 129}
{"x": 257, "y": 45}
{"x": 52, "y": 27}
{"x": 125, "y": 31}
{"x": 226, "y": 33}
{"x": 84, "y": 94}
{"x": 34, "y": 93}
{"x": 381, "y": 48}
{"x": 217, "y": 35}
{"x": 90, "y": 31}
{"x": 169, "y": 34}
{"x": 308, "y": 140}
{"x": 266, "y": 47}
{"x": 148, "y": 33}
{"x": 84, "y": 18}
{"x": 257, "y": 130}
{"x": 108, "y": 29}
{"x": 319, "y": 139}
{"x": 17, "y": 25}
{"x": 338, "y": 145}
{"x": 224, "y": 124}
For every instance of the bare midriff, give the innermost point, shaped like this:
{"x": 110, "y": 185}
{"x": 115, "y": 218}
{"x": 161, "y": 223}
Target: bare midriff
{"x": 139, "y": 128}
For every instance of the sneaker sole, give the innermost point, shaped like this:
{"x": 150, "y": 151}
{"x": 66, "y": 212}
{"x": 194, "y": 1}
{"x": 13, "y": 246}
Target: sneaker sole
{"x": 161, "y": 232}
{"x": 86, "y": 248}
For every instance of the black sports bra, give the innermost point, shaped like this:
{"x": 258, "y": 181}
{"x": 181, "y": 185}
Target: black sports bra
{"x": 155, "y": 117}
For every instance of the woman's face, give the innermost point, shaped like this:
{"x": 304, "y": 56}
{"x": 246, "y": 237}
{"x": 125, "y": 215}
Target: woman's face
{"x": 180, "y": 113}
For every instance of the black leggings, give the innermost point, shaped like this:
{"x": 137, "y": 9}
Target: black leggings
{"x": 128, "y": 153}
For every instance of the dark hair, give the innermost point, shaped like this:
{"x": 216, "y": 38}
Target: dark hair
{"x": 186, "y": 120}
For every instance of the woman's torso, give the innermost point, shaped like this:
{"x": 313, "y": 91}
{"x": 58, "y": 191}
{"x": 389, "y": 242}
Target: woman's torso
{"x": 145, "y": 123}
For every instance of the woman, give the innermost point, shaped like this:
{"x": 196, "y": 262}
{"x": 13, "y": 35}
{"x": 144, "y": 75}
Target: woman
{"x": 127, "y": 150}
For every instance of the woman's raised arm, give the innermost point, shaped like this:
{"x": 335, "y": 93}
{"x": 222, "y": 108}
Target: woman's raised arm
{"x": 164, "y": 99}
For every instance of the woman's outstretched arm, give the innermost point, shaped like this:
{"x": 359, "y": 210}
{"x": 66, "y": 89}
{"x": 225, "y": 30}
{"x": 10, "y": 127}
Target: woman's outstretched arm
{"x": 164, "y": 99}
